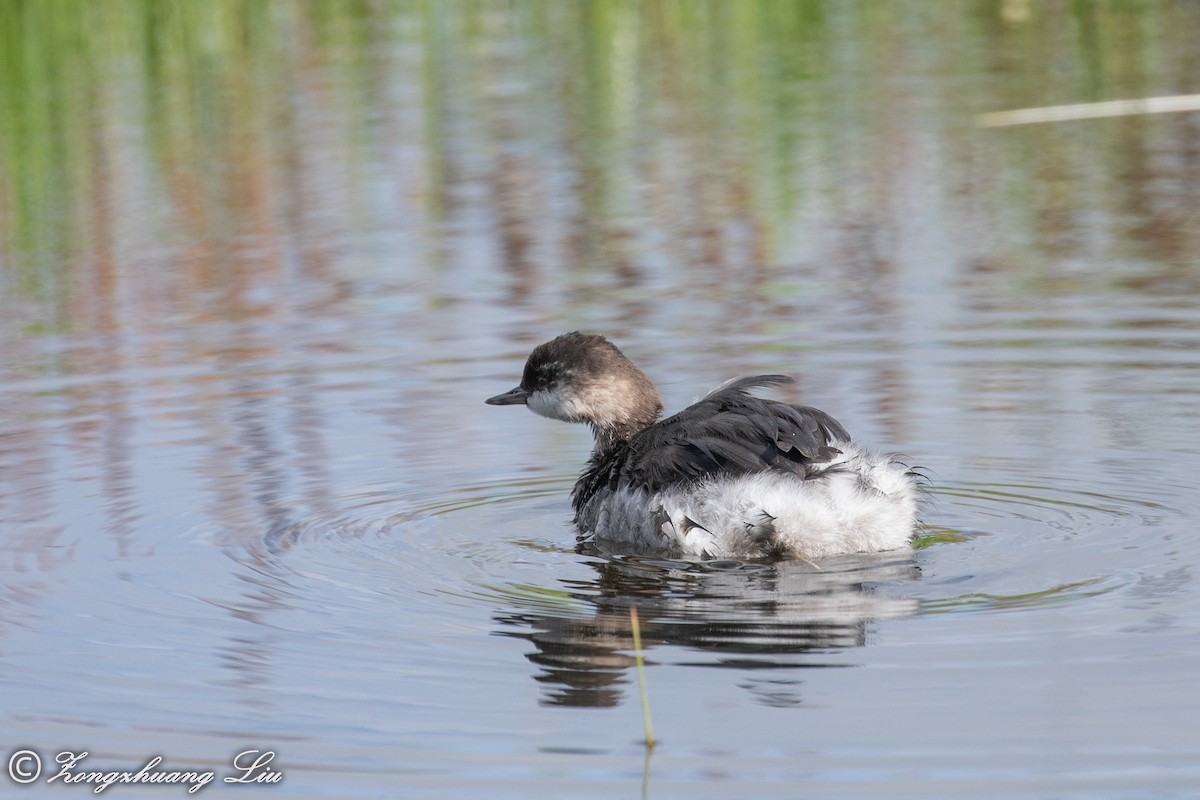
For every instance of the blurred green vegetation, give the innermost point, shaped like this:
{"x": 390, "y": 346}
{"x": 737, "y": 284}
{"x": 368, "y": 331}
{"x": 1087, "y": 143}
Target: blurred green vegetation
{"x": 204, "y": 101}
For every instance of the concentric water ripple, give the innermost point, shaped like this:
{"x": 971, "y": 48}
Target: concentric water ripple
{"x": 506, "y": 549}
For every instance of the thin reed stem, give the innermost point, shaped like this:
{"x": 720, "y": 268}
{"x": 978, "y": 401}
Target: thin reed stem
{"x": 641, "y": 671}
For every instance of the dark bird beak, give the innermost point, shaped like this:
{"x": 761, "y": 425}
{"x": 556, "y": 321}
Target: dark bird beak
{"x": 513, "y": 397}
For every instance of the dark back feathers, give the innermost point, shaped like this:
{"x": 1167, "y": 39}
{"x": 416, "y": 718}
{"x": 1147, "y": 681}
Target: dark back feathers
{"x": 729, "y": 432}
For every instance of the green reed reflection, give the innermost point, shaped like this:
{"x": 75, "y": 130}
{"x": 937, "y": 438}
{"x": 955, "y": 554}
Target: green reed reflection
{"x": 131, "y": 126}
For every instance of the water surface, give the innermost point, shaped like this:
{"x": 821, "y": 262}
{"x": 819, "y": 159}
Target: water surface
{"x": 262, "y": 262}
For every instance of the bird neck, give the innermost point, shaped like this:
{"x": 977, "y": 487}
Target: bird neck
{"x": 610, "y": 437}
{"x": 614, "y": 431}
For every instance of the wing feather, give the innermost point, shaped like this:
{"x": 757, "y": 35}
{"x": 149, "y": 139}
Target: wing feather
{"x": 728, "y": 432}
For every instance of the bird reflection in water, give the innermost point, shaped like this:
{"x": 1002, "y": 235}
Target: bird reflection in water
{"x": 777, "y": 618}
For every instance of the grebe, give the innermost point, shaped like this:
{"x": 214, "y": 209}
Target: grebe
{"x": 732, "y": 476}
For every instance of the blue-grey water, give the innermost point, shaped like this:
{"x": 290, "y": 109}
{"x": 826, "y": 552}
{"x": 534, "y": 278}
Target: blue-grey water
{"x": 260, "y": 266}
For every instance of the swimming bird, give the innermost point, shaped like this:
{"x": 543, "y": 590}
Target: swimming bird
{"x": 731, "y": 476}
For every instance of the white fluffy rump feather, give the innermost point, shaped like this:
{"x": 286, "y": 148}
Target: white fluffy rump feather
{"x": 861, "y": 502}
